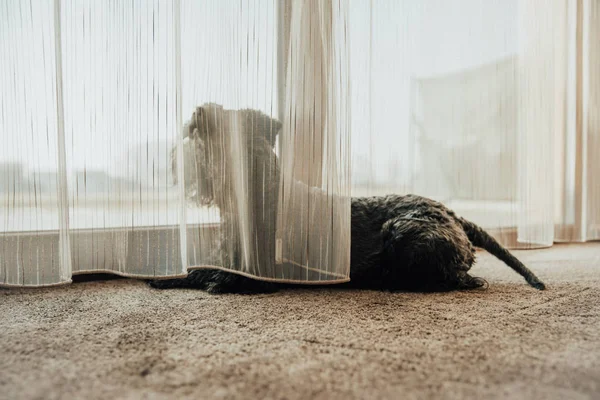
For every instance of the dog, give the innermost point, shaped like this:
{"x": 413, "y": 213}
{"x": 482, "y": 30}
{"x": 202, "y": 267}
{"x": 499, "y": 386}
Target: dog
{"x": 398, "y": 242}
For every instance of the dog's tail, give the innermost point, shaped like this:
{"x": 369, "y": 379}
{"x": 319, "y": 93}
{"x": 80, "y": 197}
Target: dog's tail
{"x": 482, "y": 239}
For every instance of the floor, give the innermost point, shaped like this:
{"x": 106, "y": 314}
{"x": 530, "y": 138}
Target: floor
{"x": 118, "y": 339}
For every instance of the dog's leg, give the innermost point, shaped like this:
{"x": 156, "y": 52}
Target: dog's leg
{"x": 217, "y": 282}
{"x": 422, "y": 256}
{"x": 229, "y": 282}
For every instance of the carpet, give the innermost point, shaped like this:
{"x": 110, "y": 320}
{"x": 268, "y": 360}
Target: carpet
{"x": 119, "y": 339}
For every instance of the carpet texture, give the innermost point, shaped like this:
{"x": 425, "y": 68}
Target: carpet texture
{"x": 119, "y": 339}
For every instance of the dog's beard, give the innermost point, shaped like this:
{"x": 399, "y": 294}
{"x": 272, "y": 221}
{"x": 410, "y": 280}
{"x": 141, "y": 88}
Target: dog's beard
{"x": 197, "y": 198}
{"x": 197, "y": 180}
{"x": 200, "y": 189}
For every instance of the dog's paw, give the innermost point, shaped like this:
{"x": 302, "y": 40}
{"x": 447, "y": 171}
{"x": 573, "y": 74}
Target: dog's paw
{"x": 536, "y": 283}
{"x": 218, "y": 288}
{"x": 155, "y": 284}
{"x": 248, "y": 287}
{"x": 163, "y": 284}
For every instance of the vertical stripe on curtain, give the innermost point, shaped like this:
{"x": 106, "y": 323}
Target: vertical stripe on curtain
{"x": 32, "y": 160}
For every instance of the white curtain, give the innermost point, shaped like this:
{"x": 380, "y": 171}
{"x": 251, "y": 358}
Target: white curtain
{"x": 489, "y": 106}
{"x": 95, "y": 95}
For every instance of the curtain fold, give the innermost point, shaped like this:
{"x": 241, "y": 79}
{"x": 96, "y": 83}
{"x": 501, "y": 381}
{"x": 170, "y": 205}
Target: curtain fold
{"x": 578, "y": 214}
{"x": 313, "y": 226}
{"x": 31, "y": 132}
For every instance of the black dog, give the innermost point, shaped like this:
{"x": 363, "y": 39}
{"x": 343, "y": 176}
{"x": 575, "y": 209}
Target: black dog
{"x": 398, "y": 242}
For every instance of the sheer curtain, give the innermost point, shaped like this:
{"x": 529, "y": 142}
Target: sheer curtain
{"x": 490, "y": 107}
{"x": 95, "y": 95}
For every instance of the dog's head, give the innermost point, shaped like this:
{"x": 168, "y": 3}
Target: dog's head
{"x": 214, "y": 142}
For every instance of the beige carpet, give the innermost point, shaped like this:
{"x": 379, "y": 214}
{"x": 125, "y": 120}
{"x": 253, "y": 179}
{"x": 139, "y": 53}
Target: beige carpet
{"x": 120, "y": 339}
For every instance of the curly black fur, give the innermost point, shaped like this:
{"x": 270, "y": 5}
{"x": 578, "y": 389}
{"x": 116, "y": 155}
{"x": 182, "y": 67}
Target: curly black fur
{"x": 398, "y": 242}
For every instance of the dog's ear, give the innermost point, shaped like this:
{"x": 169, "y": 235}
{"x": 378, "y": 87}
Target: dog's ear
{"x": 258, "y": 123}
{"x": 196, "y": 124}
{"x": 198, "y": 118}
{"x": 205, "y": 119}
{"x": 272, "y": 130}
